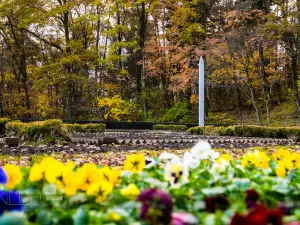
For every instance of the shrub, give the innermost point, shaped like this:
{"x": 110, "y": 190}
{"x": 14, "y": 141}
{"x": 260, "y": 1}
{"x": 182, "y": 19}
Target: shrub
{"x": 170, "y": 127}
{"x": 266, "y": 132}
{"x": 85, "y": 128}
{"x": 48, "y": 131}
{"x": 227, "y": 131}
{"x": 179, "y": 113}
{"x": 15, "y": 128}
{"x": 248, "y": 131}
{"x": 213, "y": 131}
{"x": 3, "y": 122}
{"x": 196, "y": 130}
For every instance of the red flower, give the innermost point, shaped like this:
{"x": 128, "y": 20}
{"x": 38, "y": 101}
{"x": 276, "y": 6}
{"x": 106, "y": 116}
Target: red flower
{"x": 259, "y": 215}
{"x": 251, "y": 198}
{"x": 216, "y": 202}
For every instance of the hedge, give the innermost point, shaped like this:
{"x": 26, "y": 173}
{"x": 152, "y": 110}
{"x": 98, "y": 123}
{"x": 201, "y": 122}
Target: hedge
{"x": 48, "y": 131}
{"x": 170, "y": 127}
{"x": 212, "y": 131}
{"x": 85, "y": 128}
{"x": 3, "y": 122}
{"x": 267, "y": 132}
{"x": 248, "y": 131}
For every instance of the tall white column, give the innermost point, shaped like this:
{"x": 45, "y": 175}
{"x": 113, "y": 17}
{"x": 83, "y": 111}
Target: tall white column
{"x": 201, "y": 93}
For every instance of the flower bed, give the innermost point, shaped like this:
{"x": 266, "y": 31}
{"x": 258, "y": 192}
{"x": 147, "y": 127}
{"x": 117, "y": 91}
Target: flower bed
{"x": 201, "y": 187}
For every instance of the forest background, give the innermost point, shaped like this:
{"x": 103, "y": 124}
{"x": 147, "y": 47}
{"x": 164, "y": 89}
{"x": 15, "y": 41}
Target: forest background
{"x": 127, "y": 60}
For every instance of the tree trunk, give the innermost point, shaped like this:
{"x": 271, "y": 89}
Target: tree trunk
{"x": 263, "y": 77}
{"x": 68, "y": 67}
{"x": 23, "y": 74}
{"x": 267, "y": 6}
{"x": 143, "y": 18}
{"x": 1, "y": 85}
{"x": 119, "y": 40}
{"x": 294, "y": 77}
{"x": 254, "y": 103}
{"x": 249, "y": 83}
{"x": 97, "y": 43}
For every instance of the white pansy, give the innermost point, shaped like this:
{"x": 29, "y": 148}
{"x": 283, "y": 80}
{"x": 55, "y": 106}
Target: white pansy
{"x": 218, "y": 168}
{"x": 190, "y": 161}
{"x": 202, "y": 150}
{"x": 150, "y": 162}
{"x": 176, "y": 173}
{"x": 214, "y": 155}
{"x": 165, "y": 156}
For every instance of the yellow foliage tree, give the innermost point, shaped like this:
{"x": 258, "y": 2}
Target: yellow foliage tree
{"x": 115, "y": 108}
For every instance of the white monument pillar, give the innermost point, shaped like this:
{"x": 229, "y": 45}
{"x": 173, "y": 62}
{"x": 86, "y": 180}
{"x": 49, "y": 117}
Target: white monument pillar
{"x": 201, "y": 93}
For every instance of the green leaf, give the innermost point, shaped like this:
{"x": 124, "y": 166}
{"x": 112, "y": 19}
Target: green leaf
{"x": 80, "y": 217}
{"x": 13, "y": 218}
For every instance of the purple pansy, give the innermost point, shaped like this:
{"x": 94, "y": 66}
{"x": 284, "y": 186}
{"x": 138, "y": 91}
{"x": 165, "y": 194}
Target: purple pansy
{"x": 3, "y": 176}
{"x": 157, "y": 206}
{"x": 10, "y": 201}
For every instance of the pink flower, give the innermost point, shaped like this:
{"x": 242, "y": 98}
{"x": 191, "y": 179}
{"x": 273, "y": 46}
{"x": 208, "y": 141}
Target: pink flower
{"x": 183, "y": 219}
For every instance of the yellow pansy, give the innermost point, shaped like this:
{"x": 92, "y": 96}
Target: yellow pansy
{"x": 263, "y": 160}
{"x": 283, "y": 167}
{"x": 59, "y": 184}
{"x": 68, "y": 167}
{"x": 53, "y": 171}
{"x": 100, "y": 189}
{"x": 258, "y": 159}
{"x": 89, "y": 174}
{"x": 295, "y": 159}
{"x": 111, "y": 175}
{"x": 130, "y": 192}
{"x": 47, "y": 162}
{"x": 14, "y": 175}
{"x": 113, "y": 216}
{"x": 135, "y": 163}
{"x": 36, "y": 173}
{"x": 280, "y": 154}
{"x": 249, "y": 159}
{"x": 71, "y": 183}
{"x": 225, "y": 157}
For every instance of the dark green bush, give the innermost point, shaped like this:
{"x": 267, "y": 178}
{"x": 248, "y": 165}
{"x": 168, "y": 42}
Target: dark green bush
{"x": 170, "y": 127}
{"x": 3, "y": 122}
{"x": 49, "y": 131}
{"x": 248, "y": 131}
{"x": 179, "y": 113}
{"x": 85, "y": 128}
{"x": 267, "y": 132}
{"x": 251, "y": 131}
